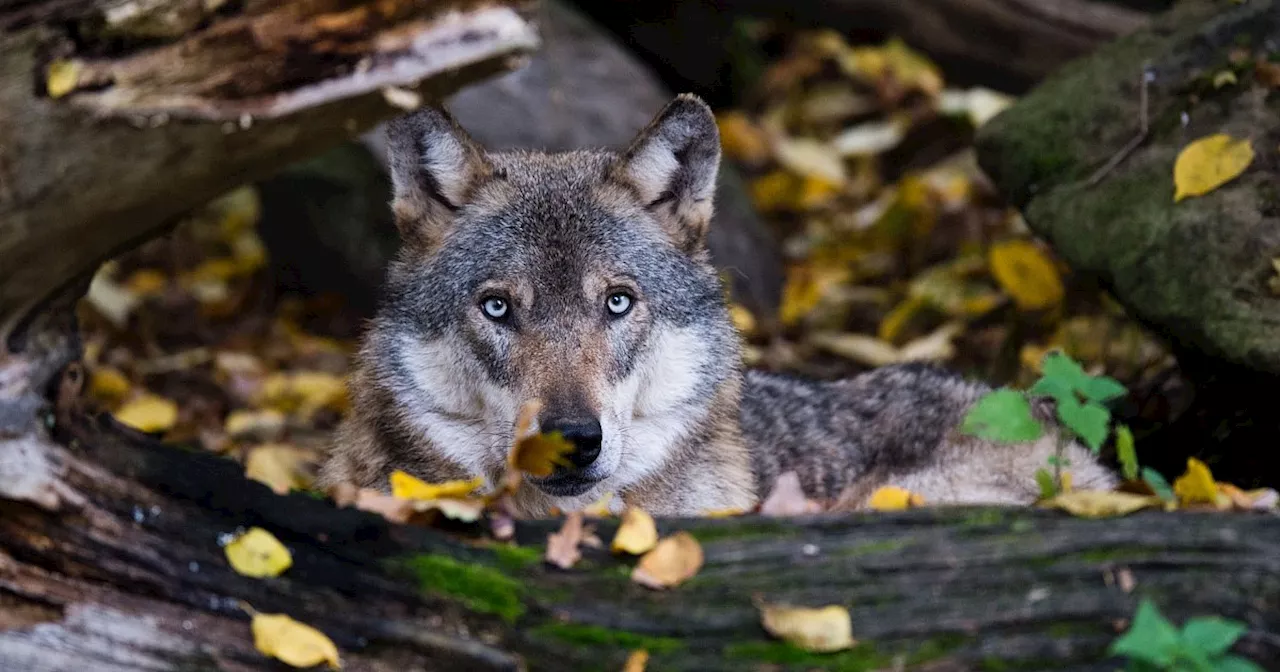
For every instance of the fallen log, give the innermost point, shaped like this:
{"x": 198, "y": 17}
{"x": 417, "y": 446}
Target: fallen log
{"x": 120, "y": 114}
{"x": 1008, "y": 45}
{"x": 117, "y": 566}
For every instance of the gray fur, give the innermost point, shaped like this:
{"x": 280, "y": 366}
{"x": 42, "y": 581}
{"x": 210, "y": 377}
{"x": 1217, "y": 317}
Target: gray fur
{"x": 437, "y": 384}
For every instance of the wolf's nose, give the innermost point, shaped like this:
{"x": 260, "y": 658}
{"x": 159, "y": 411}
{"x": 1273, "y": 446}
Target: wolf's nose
{"x": 585, "y": 437}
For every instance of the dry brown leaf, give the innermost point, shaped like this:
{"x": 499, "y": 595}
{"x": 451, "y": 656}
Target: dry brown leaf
{"x": 637, "y": 534}
{"x": 820, "y": 630}
{"x": 672, "y": 561}
{"x": 788, "y": 498}
{"x": 562, "y": 546}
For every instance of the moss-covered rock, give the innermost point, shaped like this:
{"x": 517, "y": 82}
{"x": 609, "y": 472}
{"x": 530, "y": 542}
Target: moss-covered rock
{"x": 1197, "y": 271}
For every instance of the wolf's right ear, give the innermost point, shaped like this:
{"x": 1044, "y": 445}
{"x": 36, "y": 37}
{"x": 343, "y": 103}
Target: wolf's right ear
{"x": 435, "y": 167}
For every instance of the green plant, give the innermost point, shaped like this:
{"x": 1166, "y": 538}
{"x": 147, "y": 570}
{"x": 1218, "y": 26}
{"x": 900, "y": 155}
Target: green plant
{"x": 1005, "y": 415}
{"x": 1153, "y": 643}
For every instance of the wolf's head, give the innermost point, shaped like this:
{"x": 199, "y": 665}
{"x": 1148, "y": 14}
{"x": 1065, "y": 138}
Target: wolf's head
{"x": 578, "y": 279}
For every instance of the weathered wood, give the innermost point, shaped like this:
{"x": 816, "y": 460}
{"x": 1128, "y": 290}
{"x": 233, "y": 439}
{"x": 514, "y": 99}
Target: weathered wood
{"x": 1005, "y": 44}
{"x": 158, "y": 122}
{"x": 117, "y": 566}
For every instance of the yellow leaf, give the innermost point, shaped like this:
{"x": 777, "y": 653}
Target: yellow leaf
{"x": 280, "y": 467}
{"x": 1209, "y": 163}
{"x": 1224, "y": 78}
{"x": 304, "y": 392}
{"x": 1196, "y": 486}
{"x": 296, "y": 644}
{"x": 1101, "y": 503}
{"x": 265, "y": 424}
{"x": 257, "y": 553}
{"x": 722, "y": 513}
{"x": 637, "y": 534}
{"x": 896, "y": 321}
{"x": 62, "y": 78}
{"x": 893, "y": 498}
{"x": 404, "y": 486}
{"x": 538, "y": 455}
{"x": 108, "y": 384}
{"x": 743, "y": 320}
{"x": 1026, "y": 274}
{"x": 740, "y": 139}
{"x": 600, "y": 507}
{"x": 148, "y": 413}
{"x": 774, "y": 191}
{"x": 672, "y": 561}
{"x": 817, "y": 630}
{"x": 806, "y": 286}
{"x": 147, "y": 282}
{"x": 637, "y": 661}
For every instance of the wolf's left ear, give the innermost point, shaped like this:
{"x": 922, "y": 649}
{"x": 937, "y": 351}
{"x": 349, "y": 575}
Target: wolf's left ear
{"x": 435, "y": 168}
{"x": 672, "y": 164}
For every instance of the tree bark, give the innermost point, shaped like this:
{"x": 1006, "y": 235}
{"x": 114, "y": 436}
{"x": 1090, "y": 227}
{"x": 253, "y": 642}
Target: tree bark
{"x": 110, "y": 561}
{"x": 1004, "y": 44}
{"x": 168, "y": 103}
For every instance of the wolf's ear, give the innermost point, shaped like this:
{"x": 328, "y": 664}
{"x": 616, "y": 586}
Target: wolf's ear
{"x": 672, "y": 164}
{"x": 435, "y": 167}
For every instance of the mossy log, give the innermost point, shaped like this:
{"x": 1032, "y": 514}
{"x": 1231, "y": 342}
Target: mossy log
{"x": 110, "y": 561}
{"x": 118, "y": 115}
{"x": 1089, "y": 158}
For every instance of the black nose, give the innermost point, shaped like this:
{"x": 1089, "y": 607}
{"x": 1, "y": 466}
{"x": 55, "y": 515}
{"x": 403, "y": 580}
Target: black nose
{"x": 585, "y": 437}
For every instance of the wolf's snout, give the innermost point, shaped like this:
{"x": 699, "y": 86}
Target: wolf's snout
{"x": 585, "y": 436}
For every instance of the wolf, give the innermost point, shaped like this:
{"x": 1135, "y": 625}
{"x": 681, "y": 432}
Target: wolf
{"x": 581, "y": 279}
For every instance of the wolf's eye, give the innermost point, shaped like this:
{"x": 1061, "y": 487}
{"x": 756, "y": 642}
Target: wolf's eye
{"x": 619, "y": 303}
{"x": 494, "y": 307}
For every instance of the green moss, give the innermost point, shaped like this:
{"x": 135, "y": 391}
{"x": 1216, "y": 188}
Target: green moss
{"x": 862, "y": 658}
{"x": 592, "y": 635}
{"x": 983, "y": 518}
{"x": 514, "y": 558}
{"x": 746, "y": 530}
{"x": 875, "y": 547}
{"x": 481, "y": 588}
{"x": 1111, "y": 554}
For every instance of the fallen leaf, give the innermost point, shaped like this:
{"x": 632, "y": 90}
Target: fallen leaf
{"x": 111, "y": 300}
{"x": 147, "y": 282}
{"x": 672, "y": 561}
{"x": 281, "y": 467}
{"x": 62, "y": 78}
{"x": 1197, "y": 486}
{"x": 303, "y": 392}
{"x": 1209, "y": 163}
{"x": 263, "y": 425}
{"x": 788, "y": 499}
{"x": 820, "y": 630}
{"x": 296, "y": 644}
{"x": 148, "y": 413}
{"x": 108, "y": 385}
{"x": 538, "y": 454}
{"x": 893, "y": 498}
{"x": 1026, "y": 274}
{"x": 743, "y": 320}
{"x": 873, "y": 137}
{"x": 257, "y": 553}
{"x": 741, "y": 140}
{"x": 461, "y": 510}
{"x": 637, "y": 661}
{"x": 637, "y": 534}
{"x": 1100, "y": 503}
{"x": 979, "y": 104}
{"x": 806, "y": 286}
{"x": 406, "y": 486}
{"x": 402, "y": 98}
{"x": 600, "y": 507}
{"x": 809, "y": 157}
{"x": 562, "y": 546}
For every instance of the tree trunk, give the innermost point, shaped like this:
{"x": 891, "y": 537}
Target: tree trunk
{"x": 115, "y": 565}
{"x": 120, "y": 114}
{"x": 1004, "y": 44}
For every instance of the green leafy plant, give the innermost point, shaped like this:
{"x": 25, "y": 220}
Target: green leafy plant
{"x": 1153, "y": 644}
{"x": 1005, "y": 415}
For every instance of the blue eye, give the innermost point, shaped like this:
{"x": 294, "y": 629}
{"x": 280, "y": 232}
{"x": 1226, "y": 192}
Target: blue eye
{"x": 619, "y": 303}
{"x": 494, "y": 308}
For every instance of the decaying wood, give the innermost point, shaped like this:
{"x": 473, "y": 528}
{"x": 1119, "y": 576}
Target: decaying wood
{"x": 116, "y": 565}
{"x": 159, "y": 105}
{"x": 1005, "y": 44}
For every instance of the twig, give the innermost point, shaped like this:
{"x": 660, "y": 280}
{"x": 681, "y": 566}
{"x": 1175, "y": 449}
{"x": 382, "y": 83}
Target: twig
{"x": 1143, "y": 126}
